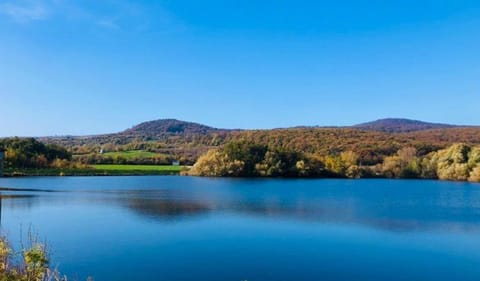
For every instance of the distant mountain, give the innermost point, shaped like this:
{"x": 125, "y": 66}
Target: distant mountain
{"x": 168, "y": 127}
{"x": 401, "y": 125}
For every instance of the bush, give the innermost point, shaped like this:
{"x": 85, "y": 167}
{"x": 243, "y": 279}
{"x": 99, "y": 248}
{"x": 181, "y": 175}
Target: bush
{"x": 33, "y": 265}
{"x": 475, "y": 174}
{"x": 452, "y": 163}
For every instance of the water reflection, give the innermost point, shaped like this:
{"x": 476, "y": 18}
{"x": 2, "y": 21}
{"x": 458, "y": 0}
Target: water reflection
{"x": 347, "y": 214}
{"x": 165, "y": 208}
{"x": 16, "y": 197}
{"x": 445, "y": 208}
{"x": 181, "y": 228}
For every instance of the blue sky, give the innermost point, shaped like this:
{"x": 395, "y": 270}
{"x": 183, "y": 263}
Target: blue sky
{"x": 87, "y": 67}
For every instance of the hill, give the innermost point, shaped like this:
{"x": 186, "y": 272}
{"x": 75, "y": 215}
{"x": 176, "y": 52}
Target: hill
{"x": 168, "y": 127}
{"x": 163, "y": 141}
{"x": 401, "y": 125}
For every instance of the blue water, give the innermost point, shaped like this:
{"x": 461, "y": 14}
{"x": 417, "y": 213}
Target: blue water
{"x": 186, "y": 228}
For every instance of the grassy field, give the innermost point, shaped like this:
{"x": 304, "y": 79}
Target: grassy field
{"x": 153, "y": 168}
{"x": 131, "y": 154}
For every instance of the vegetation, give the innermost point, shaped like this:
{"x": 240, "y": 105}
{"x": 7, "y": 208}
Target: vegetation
{"x": 242, "y": 158}
{"x": 138, "y": 169}
{"x": 173, "y": 140}
{"x": 129, "y": 157}
{"x": 131, "y": 154}
{"x": 33, "y": 264}
{"x": 399, "y": 125}
{"x": 98, "y": 170}
{"x": 30, "y": 153}
{"x": 168, "y": 139}
{"x": 393, "y": 148}
{"x": 28, "y": 156}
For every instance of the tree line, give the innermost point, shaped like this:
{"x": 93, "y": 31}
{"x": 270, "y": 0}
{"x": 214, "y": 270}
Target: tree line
{"x": 30, "y": 153}
{"x": 249, "y": 159}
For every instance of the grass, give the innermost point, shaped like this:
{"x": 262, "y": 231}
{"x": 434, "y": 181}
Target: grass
{"x": 131, "y": 154}
{"x": 153, "y": 168}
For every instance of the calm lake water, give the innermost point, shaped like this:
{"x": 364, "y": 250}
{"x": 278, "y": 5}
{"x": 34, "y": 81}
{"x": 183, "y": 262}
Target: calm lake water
{"x": 186, "y": 228}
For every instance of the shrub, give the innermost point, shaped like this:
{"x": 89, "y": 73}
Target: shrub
{"x": 33, "y": 265}
{"x": 475, "y": 174}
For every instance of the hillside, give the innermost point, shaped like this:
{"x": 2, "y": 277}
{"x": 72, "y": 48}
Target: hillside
{"x": 170, "y": 139}
{"x": 401, "y": 125}
{"x": 168, "y": 127}
{"x": 167, "y": 139}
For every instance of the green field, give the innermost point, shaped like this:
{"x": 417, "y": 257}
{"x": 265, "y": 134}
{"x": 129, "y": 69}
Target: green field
{"x": 131, "y": 154}
{"x": 145, "y": 168}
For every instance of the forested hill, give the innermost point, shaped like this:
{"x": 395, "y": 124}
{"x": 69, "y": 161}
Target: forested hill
{"x": 170, "y": 139}
{"x": 170, "y": 130}
{"x": 165, "y": 127}
{"x": 401, "y": 125}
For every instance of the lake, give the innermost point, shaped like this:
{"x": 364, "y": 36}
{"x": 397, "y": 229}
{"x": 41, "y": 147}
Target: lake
{"x": 187, "y": 228}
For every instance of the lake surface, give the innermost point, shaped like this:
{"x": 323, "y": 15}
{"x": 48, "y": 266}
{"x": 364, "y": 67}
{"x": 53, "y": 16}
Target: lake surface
{"x": 187, "y": 228}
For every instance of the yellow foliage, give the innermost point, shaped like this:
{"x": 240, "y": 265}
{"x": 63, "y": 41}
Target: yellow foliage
{"x": 475, "y": 174}
{"x": 215, "y": 163}
{"x": 452, "y": 162}
{"x": 349, "y": 158}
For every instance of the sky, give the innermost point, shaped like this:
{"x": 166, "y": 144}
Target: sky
{"x": 88, "y": 67}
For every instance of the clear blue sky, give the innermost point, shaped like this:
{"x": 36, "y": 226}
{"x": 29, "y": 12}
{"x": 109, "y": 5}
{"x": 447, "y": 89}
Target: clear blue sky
{"x": 86, "y": 67}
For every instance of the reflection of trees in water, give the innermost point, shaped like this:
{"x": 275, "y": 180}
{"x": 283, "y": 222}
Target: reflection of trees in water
{"x": 164, "y": 208}
{"x": 355, "y": 212}
{"x": 18, "y": 201}
{"x": 347, "y": 211}
{"x": 165, "y": 204}
{"x": 20, "y": 198}
{"x": 13, "y": 200}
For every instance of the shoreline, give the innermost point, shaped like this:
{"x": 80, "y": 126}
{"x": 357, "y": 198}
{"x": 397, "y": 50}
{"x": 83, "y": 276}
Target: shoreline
{"x": 60, "y": 172}
{"x": 139, "y": 173}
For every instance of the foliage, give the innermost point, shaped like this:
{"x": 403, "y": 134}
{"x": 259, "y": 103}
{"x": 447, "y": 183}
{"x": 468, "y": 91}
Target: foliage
{"x": 405, "y": 164}
{"x": 217, "y": 164}
{"x": 33, "y": 265}
{"x": 400, "y": 125}
{"x": 413, "y": 150}
{"x": 130, "y": 157}
{"x": 457, "y": 162}
{"x": 475, "y": 174}
{"x": 30, "y": 153}
{"x": 184, "y": 141}
{"x": 250, "y": 159}
{"x": 153, "y": 168}
{"x": 452, "y": 162}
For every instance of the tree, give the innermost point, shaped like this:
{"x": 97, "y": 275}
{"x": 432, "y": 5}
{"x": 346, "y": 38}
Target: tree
{"x": 452, "y": 162}
{"x": 217, "y": 164}
{"x": 335, "y": 165}
{"x": 247, "y": 152}
{"x": 404, "y": 164}
{"x": 475, "y": 174}
{"x": 349, "y": 158}
{"x": 279, "y": 163}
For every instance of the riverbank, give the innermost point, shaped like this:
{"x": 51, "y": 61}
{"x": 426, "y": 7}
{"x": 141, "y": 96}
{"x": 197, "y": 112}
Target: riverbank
{"x": 99, "y": 170}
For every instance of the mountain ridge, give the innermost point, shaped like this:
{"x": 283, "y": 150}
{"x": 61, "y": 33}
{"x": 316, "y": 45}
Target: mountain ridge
{"x": 175, "y": 139}
{"x": 175, "y": 127}
{"x": 402, "y": 125}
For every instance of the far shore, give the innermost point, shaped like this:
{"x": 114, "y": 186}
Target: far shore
{"x": 99, "y": 170}
{"x": 154, "y": 170}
